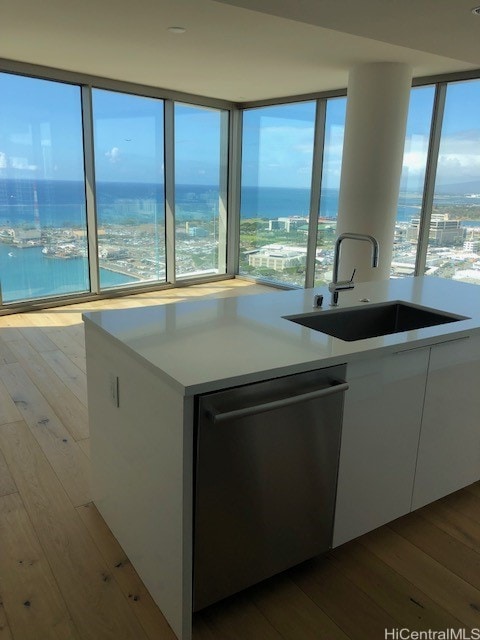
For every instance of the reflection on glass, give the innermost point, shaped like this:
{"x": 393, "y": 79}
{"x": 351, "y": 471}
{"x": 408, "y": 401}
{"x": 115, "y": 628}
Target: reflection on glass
{"x": 201, "y": 148}
{"x": 454, "y": 237}
{"x": 412, "y": 181}
{"x": 43, "y": 247}
{"x": 277, "y": 155}
{"x": 329, "y": 194}
{"x": 128, "y": 145}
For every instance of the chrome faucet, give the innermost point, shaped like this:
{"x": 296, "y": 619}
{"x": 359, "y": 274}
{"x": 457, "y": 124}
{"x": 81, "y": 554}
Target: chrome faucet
{"x": 335, "y": 286}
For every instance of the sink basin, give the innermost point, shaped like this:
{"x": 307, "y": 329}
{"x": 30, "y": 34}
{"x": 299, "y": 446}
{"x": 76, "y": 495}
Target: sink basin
{"x": 375, "y": 320}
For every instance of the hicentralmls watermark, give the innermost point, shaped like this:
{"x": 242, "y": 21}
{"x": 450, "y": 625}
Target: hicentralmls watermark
{"x": 431, "y": 634}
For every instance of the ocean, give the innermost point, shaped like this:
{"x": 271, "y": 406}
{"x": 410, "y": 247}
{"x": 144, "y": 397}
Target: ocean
{"x": 28, "y": 274}
{"x": 62, "y": 203}
{"x": 55, "y": 204}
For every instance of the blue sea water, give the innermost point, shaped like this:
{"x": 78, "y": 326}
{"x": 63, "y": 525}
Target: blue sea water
{"x": 28, "y": 274}
{"x": 273, "y": 202}
{"x": 62, "y": 203}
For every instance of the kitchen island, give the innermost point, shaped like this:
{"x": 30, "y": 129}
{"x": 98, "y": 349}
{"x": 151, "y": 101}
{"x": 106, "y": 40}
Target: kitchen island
{"x": 146, "y": 367}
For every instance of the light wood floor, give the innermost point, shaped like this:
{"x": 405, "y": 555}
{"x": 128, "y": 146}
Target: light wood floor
{"x": 64, "y": 576}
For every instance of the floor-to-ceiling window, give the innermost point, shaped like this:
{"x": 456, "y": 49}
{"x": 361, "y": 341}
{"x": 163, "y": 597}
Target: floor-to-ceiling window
{"x": 274, "y": 202}
{"x": 201, "y": 154}
{"x": 45, "y": 239}
{"x": 43, "y": 243}
{"x": 454, "y": 234}
{"x": 412, "y": 182}
{"x": 129, "y": 161}
{"x": 277, "y": 155}
{"x": 330, "y": 188}
{"x": 82, "y": 187}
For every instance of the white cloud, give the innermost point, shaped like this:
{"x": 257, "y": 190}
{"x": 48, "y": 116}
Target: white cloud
{"x": 22, "y": 163}
{"x": 459, "y": 157}
{"x": 414, "y": 161}
{"x": 114, "y": 154}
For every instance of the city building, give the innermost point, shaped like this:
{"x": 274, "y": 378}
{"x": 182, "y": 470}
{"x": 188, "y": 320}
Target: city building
{"x": 443, "y": 231}
{"x": 472, "y": 245}
{"x": 26, "y": 237}
{"x": 278, "y": 257}
{"x": 290, "y": 223}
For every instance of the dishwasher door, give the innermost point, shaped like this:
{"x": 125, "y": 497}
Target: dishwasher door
{"x": 266, "y": 474}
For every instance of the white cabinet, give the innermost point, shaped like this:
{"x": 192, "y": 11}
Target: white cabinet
{"x": 449, "y": 448}
{"x": 381, "y": 426}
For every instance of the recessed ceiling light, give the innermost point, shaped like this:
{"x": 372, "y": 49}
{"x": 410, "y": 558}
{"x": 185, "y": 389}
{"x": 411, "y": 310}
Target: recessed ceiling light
{"x": 476, "y": 11}
{"x": 176, "y": 29}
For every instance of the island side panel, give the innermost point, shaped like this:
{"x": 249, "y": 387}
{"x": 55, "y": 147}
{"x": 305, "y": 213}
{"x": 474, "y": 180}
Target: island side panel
{"x": 142, "y": 473}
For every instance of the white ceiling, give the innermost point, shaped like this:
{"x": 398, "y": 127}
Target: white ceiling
{"x": 240, "y": 50}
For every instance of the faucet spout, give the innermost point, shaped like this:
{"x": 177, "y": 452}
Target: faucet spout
{"x": 335, "y": 286}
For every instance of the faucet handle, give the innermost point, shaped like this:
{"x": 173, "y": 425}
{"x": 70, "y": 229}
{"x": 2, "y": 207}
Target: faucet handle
{"x": 353, "y": 274}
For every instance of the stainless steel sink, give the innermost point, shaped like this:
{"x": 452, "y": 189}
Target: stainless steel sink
{"x": 375, "y": 320}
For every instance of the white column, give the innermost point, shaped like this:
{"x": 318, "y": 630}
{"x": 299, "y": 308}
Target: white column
{"x": 377, "y": 108}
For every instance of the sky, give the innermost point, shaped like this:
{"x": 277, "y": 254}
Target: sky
{"x": 41, "y": 136}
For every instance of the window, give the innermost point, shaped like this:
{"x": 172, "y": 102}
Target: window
{"x": 412, "y": 181}
{"x": 43, "y": 242}
{"x": 454, "y": 236}
{"x": 201, "y": 151}
{"x": 277, "y": 157}
{"x": 128, "y": 143}
{"x": 45, "y": 239}
{"x": 330, "y": 190}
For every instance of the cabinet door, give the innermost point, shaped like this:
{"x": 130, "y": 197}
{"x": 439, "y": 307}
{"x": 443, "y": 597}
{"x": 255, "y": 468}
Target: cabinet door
{"x": 381, "y": 426}
{"x": 449, "y": 449}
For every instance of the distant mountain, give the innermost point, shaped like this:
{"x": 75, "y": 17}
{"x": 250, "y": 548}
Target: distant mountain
{"x": 459, "y": 188}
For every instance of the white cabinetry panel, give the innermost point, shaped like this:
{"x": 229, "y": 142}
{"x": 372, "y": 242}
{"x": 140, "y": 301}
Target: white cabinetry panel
{"x": 382, "y": 417}
{"x": 449, "y": 449}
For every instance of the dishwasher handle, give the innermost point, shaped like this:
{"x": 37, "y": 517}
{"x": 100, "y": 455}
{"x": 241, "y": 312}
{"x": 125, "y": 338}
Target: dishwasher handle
{"x": 338, "y": 386}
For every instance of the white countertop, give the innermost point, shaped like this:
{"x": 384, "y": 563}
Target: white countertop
{"x": 205, "y": 345}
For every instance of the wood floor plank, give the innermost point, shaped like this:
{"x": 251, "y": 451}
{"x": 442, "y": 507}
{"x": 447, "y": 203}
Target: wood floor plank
{"x": 77, "y": 331}
{"x": 5, "y": 633}
{"x": 452, "y": 593}
{"x": 8, "y": 333}
{"x": 97, "y": 606}
{"x": 56, "y": 317}
{"x": 8, "y": 409}
{"x": 73, "y": 377}
{"x": 6, "y": 355}
{"x": 85, "y": 447}
{"x": 349, "y": 607}
{"x": 474, "y": 489}
{"x": 7, "y": 483}
{"x": 67, "y": 459}
{"x": 36, "y": 336}
{"x": 80, "y": 362}
{"x": 445, "y": 549}
{"x": 407, "y": 604}
{"x": 465, "y": 502}
{"x": 62, "y": 337}
{"x": 238, "y": 619}
{"x": 201, "y": 630}
{"x": 292, "y": 612}
{"x": 31, "y": 598}
{"x": 453, "y": 522}
{"x": 140, "y": 601}
{"x": 66, "y": 405}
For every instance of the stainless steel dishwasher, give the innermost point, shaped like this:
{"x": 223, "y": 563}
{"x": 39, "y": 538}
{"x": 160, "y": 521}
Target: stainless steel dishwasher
{"x": 266, "y": 475}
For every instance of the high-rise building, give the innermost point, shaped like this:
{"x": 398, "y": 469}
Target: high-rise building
{"x": 443, "y": 231}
